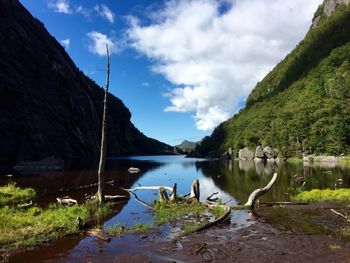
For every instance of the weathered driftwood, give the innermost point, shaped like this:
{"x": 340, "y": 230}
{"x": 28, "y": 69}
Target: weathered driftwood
{"x": 170, "y": 189}
{"x": 95, "y": 232}
{"x": 137, "y": 198}
{"x": 340, "y": 215}
{"x": 66, "y": 201}
{"x": 200, "y": 249}
{"x": 195, "y": 193}
{"x": 134, "y": 170}
{"x": 222, "y": 218}
{"x": 25, "y": 205}
{"x": 163, "y": 196}
{"x": 259, "y": 192}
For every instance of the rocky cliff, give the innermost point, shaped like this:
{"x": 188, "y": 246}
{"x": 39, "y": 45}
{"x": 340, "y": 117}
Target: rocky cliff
{"x": 48, "y": 107}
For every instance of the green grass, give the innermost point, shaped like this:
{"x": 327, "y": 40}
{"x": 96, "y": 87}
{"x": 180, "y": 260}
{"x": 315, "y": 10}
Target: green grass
{"x": 165, "y": 213}
{"x": 217, "y": 211}
{"x": 28, "y": 227}
{"x": 13, "y": 195}
{"x": 325, "y": 195}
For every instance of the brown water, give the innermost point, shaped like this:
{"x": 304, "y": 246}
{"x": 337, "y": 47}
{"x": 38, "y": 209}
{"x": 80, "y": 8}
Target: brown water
{"x": 233, "y": 180}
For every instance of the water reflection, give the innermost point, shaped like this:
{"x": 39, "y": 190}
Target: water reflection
{"x": 234, "y": 180}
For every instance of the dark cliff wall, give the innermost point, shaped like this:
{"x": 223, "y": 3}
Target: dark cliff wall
{"x": 47, "y": 106}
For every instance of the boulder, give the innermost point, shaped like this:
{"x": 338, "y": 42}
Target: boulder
{"x": 259, "y": 153}
{"x": 269, "y": 152}
{"x": 226, "y": 156}
{"x": 245, "y": 154}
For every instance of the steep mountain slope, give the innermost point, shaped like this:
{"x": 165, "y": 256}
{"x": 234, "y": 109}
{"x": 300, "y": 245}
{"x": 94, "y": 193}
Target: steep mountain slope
{"x": 303, "y": 104}
{"x": 48, "y": 107}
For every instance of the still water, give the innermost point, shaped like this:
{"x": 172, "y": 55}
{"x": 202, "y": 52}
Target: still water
{"x": 233, "y": 180}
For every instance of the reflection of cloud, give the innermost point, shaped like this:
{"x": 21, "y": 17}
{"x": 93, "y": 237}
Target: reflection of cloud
{"x": 208, "y": 187}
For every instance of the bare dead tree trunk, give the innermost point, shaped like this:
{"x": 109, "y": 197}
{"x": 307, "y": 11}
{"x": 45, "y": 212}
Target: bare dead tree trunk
{"x": 173, "y": 195}
{"x": 101, "y": 168}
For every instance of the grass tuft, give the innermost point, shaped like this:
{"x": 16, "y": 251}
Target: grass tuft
{"x": 12, "y": 195}
{"x": 325, "y": 195}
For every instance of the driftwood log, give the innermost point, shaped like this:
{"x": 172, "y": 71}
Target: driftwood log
{"x": 259, "y": 192}
{"x": 116, "y": 197}
{"x": 66, "y": 201}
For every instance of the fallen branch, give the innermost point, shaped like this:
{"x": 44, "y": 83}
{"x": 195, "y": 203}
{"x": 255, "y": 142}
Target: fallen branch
{"x": 259, "y": 192}
{"x": 222, "y": 218}
{"x": 340, "y": 215}
{"x": 25, "y": 205}
{"x": 137, "y": 198}
{"x": 170, "y": 189}
{"x": 95, "y": 232}
{"x": 200, "y": 249}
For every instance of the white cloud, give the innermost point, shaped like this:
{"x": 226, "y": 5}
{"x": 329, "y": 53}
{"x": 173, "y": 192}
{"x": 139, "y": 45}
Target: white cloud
{"x": 61, "y": 6}
{"x": 105, "y": 12}
{"x": 98, "y": 41}
{"x": 216, "y": 51}
{"x": 145, "y": 84}
{"x": 65, "y": 43}
{"x": 82, "y": 10}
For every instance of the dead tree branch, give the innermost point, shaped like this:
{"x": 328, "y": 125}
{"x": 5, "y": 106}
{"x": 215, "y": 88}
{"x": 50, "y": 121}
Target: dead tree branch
{"x": 259, "y": 192}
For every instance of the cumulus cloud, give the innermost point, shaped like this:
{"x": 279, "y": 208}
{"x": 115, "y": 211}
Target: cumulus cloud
{"x": 215, "y": 51}
{"x": 61, "y": 6}
{"x": 105, "y": 12}
{"x": 98, "y": 41}
{"x": 65, "y": 43}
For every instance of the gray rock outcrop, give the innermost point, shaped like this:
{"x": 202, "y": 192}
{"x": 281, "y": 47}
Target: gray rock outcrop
{"x": 259, "y": 153}
{"x": 331, "y": 5}
{"x": 269, "y": 152}
{"x": 245, "y": 154}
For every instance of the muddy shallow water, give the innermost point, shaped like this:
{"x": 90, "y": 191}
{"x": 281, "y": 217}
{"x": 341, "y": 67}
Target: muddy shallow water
{"x": 246, "y": 239}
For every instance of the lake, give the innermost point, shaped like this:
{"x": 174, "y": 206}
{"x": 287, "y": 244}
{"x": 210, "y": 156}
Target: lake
{"x": 233, "y": 180}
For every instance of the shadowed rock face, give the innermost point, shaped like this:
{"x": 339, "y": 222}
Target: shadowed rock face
{"x": 48, "y": 107}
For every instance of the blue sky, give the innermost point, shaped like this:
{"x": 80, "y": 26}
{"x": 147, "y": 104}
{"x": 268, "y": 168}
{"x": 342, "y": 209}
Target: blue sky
{"x": 180, "y": 66}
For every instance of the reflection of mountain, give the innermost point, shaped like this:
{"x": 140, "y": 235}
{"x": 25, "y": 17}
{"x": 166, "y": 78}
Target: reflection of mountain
{"x": 239, "y": 179}
{"x": 56, "y": 183}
